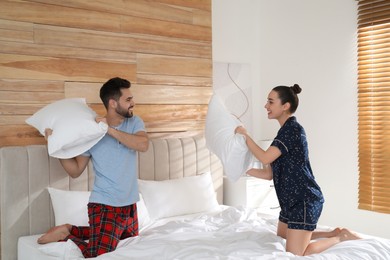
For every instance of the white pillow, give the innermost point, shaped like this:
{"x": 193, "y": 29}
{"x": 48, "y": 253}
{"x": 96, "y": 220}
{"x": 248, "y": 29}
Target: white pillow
{"x": 142, "y": 211}
{"x": 74, "y": 127}
{"x": 176, "y": 197}
{"x": 70, "y": 207}
{"x": 230, "y": 148}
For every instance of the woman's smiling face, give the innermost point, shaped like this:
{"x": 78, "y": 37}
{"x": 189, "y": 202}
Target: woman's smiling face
{"x": 274, "y": 105}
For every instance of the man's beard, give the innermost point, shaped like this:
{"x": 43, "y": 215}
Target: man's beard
{"x": 124, "y": 112}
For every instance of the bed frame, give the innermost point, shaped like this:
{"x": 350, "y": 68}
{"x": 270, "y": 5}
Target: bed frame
{"x": 26, "y": 172}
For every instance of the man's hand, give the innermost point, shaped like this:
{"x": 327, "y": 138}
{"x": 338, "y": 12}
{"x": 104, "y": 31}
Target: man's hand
{"x": 101, "y": 119}
{"x": 48, "y": 132}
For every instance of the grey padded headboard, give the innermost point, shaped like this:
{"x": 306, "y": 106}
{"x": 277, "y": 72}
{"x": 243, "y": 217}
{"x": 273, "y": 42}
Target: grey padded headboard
{"x": 26, "y": 172}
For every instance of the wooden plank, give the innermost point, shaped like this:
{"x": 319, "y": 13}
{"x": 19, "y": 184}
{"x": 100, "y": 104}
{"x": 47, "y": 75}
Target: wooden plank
{"x": 171, "y": 112}
{"x": 178, "y": 66}
{"x": 19, "y": 135}
{"x": 89, "y": 39}
{"x": 89, "y": 91}
{"x": 202, "y": 4}
{"x": 131, "y": 24}
{"x": 153, "y": 79}
{"x": 16, "y": 26}
{"x": 144, "y": 94}
{"x": 18, "y": 36}
{"x": 154, "y": 113}
{"x": 32, "y": 85}
{"x": 58, "y": 15}
{"x": 46, "y": 68}
{"x": 49, "y": 50}
{"x": 202, "y": 18}
{"x": 19, "y": 109}
{"x": 139, "y": 8}
{"x": 9, "y": 97}
{"x": 13, "y": 119}
{"x": 146, "y": 112}
{"x": 98, "y": 108}
{"x": 155, "y": 94}
{"x": 174, "y": 126}
{"x": 80, "y": 18}
{"x": 157, "y": 112}
{"x": 175, "y": 134}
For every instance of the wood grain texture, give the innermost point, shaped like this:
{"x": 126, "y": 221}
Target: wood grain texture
{"x": 175, "y": 66}
{"x": 138, "y": 8}
{"x": 54, "y": 49}
{"x": 130, "y": 43}
{"x": 14, "y": 66}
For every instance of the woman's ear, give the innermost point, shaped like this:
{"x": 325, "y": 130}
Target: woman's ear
{"x": 286, "y": 106}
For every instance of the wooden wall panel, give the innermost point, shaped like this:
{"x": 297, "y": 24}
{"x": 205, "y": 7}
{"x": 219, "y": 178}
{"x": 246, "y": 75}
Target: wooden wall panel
{"x": 38, "y": 67}
{"x": 145, "y": 94}
{"x": 104, "y": 41}
{"x": 151, "y": 10}
{"x": 54, "y": 49}
{"x": 178, "y": 66}
{"x": 59, "y": 16}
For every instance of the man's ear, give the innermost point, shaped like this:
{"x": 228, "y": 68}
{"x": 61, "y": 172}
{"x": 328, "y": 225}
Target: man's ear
{"x": 112, "y": 103}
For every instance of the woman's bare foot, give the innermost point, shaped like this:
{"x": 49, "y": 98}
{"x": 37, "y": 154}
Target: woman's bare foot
{"x": 55, "y": 234}
{"x": 335, "y": 232}
{"x": 346, "y": 234}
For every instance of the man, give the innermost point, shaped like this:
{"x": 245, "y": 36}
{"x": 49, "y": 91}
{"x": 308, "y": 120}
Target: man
{"x": 112, "y": 206}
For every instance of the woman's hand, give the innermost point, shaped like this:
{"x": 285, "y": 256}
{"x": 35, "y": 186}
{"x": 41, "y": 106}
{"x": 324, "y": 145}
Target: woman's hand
{"x": 240, "y": 130}
{"x": 252, "y": 172}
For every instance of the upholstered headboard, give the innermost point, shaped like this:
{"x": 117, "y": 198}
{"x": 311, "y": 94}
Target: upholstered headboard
{"x": 26, "y": 172}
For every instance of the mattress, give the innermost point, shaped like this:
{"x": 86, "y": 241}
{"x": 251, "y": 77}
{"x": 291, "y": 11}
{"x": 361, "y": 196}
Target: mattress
{"x": 228, "y": 233}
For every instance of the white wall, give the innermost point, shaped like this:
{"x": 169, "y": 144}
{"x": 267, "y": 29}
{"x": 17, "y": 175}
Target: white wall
{"x": 312, "y": 43}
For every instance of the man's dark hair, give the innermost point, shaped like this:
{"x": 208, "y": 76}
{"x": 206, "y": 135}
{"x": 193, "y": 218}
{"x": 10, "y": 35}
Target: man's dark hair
{"x": 112, "y": 89}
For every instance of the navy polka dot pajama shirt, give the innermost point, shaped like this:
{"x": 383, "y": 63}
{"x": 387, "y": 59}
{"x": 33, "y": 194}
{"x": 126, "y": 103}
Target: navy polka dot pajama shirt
{"x": 299, "y": 195}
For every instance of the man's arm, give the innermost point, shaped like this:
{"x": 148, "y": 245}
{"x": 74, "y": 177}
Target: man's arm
{"x": 138, "y": 141}
{"x": 75, "y": 166}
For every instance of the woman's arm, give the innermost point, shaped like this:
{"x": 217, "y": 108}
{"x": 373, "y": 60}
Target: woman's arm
{"x": 265, "y": 173}
{"x": 265, "y": 157}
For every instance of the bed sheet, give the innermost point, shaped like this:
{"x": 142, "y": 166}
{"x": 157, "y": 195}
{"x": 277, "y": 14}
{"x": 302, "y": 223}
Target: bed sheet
{"x": 230, "y": 233}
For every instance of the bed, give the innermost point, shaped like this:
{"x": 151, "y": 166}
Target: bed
{"x": 196, "y": 226}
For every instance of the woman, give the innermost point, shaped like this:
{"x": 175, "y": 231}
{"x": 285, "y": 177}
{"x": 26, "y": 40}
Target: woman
{"x": 299, "y": 195}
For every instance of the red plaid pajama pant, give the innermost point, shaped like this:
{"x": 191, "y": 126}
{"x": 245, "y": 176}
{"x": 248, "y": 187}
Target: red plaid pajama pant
{"x": 107, "y": 225}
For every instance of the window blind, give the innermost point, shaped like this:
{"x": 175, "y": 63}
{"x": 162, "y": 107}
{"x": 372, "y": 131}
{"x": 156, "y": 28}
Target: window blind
{"x": 374, "y": 104}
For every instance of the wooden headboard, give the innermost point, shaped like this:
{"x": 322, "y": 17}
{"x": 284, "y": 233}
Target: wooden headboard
{"x": 26, "y": 172}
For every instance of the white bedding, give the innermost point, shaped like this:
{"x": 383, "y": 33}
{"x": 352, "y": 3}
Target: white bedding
{"x": 230, "y": 233}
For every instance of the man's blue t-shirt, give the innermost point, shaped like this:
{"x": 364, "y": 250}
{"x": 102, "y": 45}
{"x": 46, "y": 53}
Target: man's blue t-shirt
{"x": 115, "y": 168}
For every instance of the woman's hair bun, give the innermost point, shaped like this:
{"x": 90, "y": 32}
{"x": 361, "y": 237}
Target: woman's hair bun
{"x": 296, "y": 89}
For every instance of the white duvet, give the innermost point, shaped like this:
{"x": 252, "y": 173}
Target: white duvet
{"x": 232, "y": 233}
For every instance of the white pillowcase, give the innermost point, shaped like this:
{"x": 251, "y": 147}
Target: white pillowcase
{"x": 71, "y": 207}
{"x": 230, "y": 148}
{"x": 176, "y": 197}
{"x": 142, "y": 211}
{"x": 74, "y": 127}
